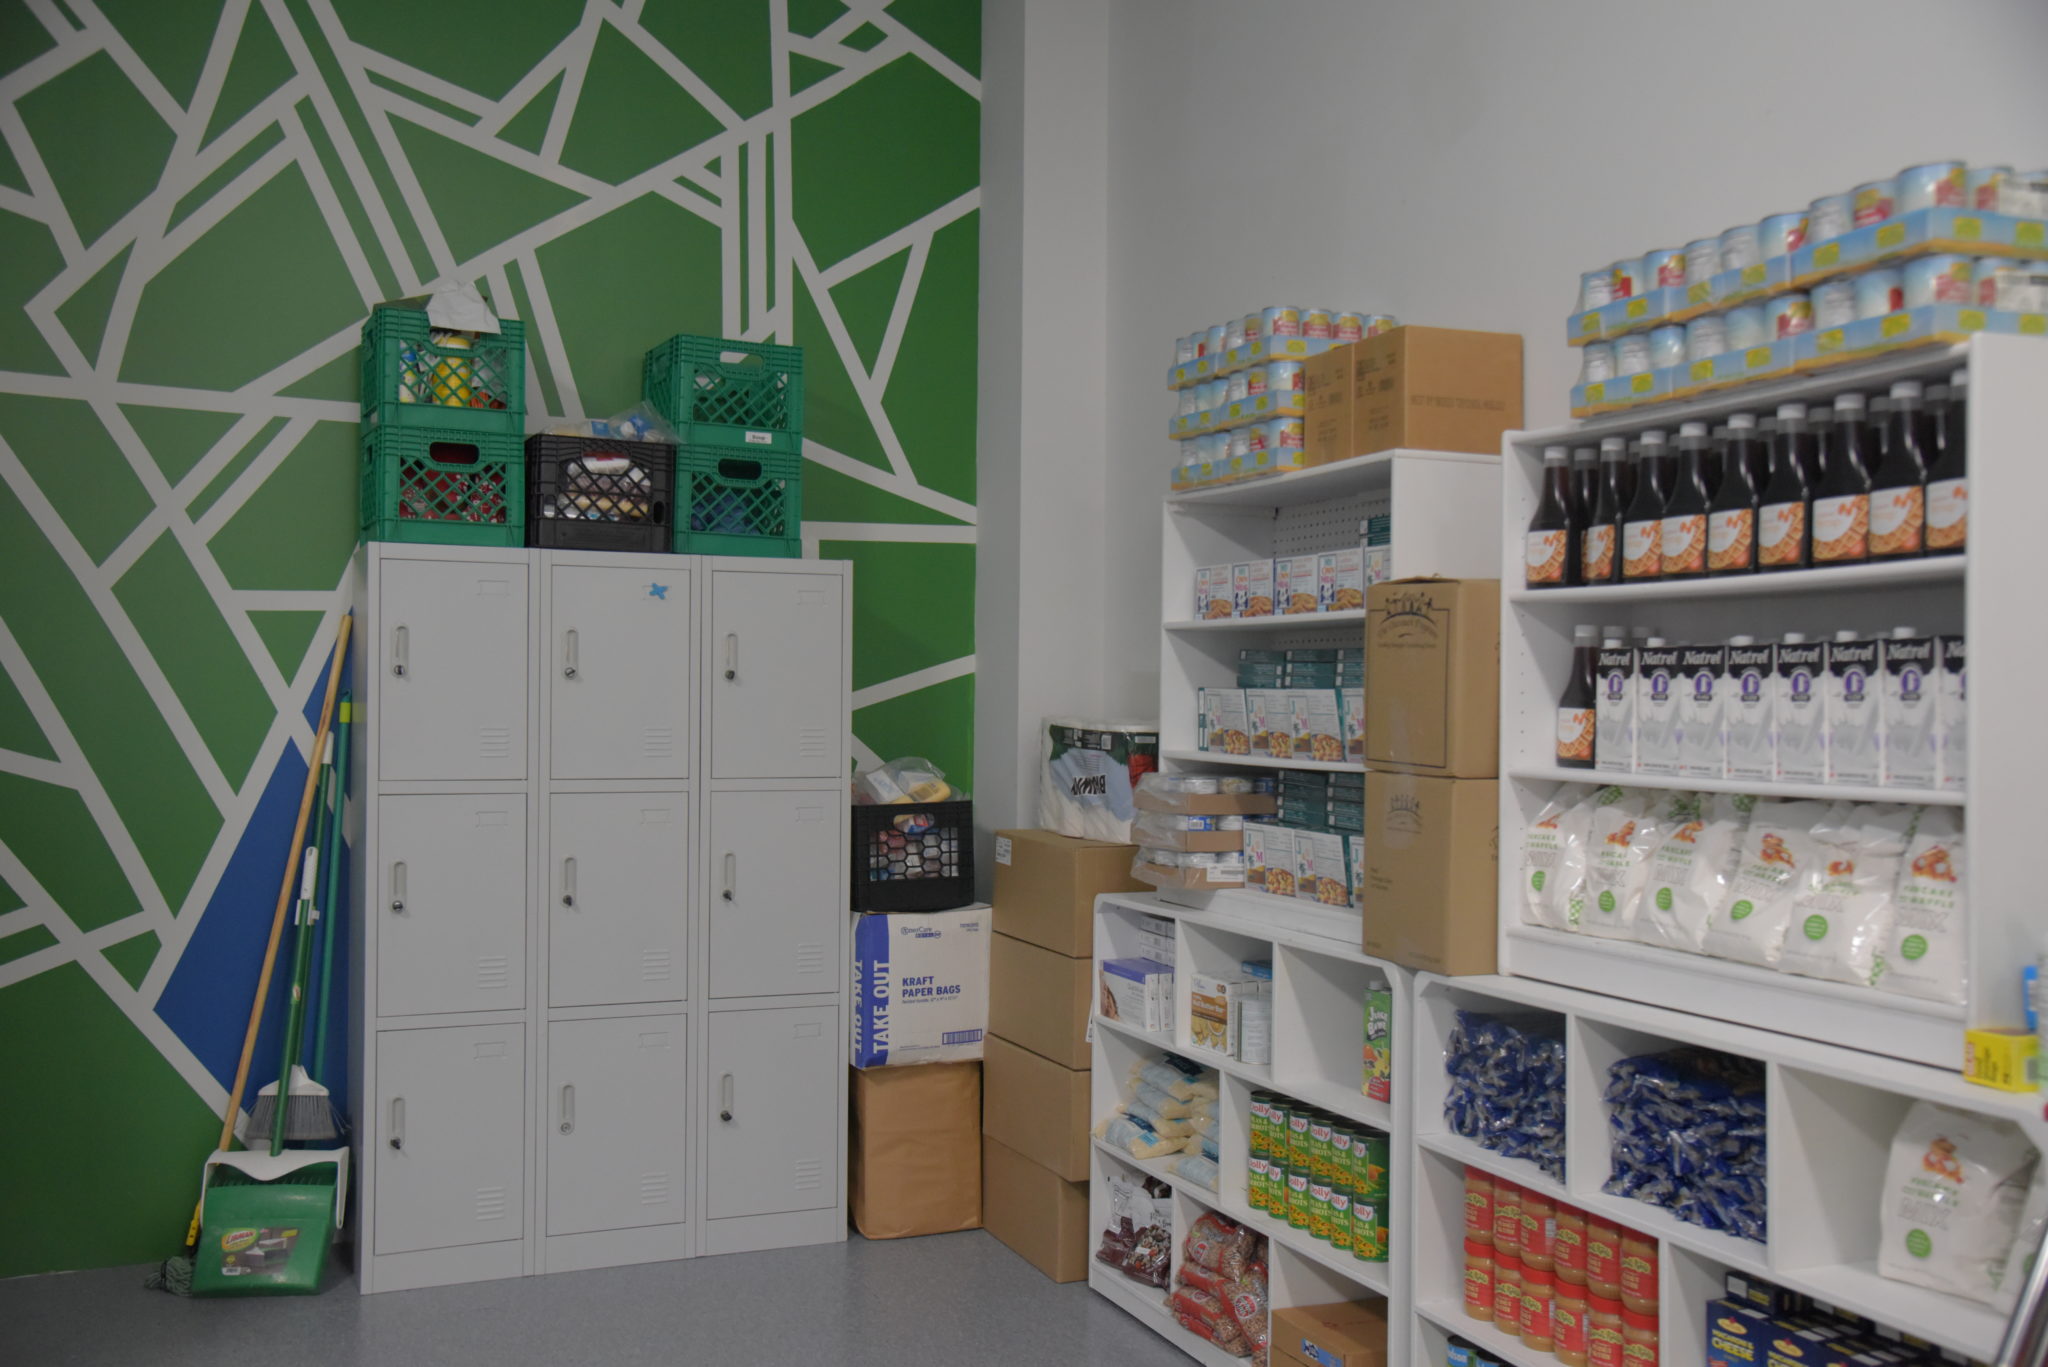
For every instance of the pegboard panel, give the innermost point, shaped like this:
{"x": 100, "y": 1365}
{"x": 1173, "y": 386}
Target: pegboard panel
{"x": 1326, "y": 525}
{"x": 1310, "y": 636}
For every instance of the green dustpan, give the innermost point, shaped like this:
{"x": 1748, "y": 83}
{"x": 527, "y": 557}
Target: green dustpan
{"x": 266, "y": 1221}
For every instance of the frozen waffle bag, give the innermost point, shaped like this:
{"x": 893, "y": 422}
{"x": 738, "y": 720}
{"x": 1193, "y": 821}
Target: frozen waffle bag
{"x": 1690, "y": 869}
{"x": 1844, "y": 912}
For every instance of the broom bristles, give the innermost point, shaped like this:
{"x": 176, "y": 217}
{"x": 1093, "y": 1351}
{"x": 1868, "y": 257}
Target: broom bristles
{"x": 309, "y": 1114}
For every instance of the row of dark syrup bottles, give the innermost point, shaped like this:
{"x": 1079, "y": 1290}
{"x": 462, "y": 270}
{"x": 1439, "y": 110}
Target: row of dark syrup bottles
{"x": 1836, "y": 484}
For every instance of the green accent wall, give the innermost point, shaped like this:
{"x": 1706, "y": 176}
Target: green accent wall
{"x": 198, "y": 203}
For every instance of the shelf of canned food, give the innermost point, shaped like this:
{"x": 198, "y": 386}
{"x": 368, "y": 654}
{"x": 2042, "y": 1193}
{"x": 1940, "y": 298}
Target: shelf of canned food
{"x": 1925, "y": 258}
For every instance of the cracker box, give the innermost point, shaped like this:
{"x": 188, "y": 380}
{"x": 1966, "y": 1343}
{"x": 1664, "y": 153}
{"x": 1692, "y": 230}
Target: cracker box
{"x": 1214, "y": 590}
{"x": 1340, "y": 580}
{"x": 1275, "y": 725}
{"x": 1216, "y": 1009}
{"x": 1354, "y": 724}
{"x": 1276, "y": 850}
{"x": 1251, "y": 588}
{"x": 1294, "y": 584}
{"x": 1322, "y": 725}
{"x": 1322, "y": 871}
{"x": 1227, "y": 726}
{"x": 1138, "y": 992}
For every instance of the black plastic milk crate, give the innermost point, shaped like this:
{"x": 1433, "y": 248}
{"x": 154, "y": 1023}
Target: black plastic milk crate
{"x": 913, "y": 856}
{"x": 596, "y": 494}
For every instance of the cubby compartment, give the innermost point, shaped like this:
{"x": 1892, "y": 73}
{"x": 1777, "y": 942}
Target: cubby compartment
{"x": 1123, "y": 932}
{"x": 1319, "y": 1022}
{"x": 1102, "y": 1213}
{"x": 1438, "y": 1004}
{"x": 1217, "y": 953}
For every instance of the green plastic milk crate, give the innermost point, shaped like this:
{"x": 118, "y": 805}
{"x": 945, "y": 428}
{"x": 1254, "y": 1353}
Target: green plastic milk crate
{"x": 719, "y": 392}
{"x": 737, "y": 501}
{"x": 425, "y": 484}
{"x": 415, "y": 375}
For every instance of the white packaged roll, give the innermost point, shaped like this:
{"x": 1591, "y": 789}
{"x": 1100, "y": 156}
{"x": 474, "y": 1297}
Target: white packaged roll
{"x": 1086, "y": 784}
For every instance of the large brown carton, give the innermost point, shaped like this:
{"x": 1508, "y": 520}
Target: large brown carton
{"x": 914, "y": 1150}
{"x": 1346, "y": 1334}
{"x": 1040, "y": 999}
{"x": 1036, "y": 1106}
{"x": 1039, "y": 1214}
{"x": 1434, "y": 389}
{"x": 1432, "y": 850}
{"x": 1046, "y": 884}
{"x": 1432, "y": 677}
{"x": 1326, "y": 407}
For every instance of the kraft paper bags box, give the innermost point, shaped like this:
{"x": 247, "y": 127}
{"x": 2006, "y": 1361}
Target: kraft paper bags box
{"x": 1040, "y": 999}
{"x": 920, "y": 986}
{"x": 1039, "y": 1214}
{"x": 1046, "y": 885}
{"x": 1037, "y": 1107}
{"x": 1346, "y": 1334}
{"x": 1431, "y": 869}
{"x": 1432, "y": 670}
{"x": 1433, "y": 389}
{"x": 914, "y": 1150}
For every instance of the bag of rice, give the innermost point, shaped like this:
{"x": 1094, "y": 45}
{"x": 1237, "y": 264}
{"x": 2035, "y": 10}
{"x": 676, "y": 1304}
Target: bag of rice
{"x": 1777, "y": 857}
{"x": 1922, "y": 955}
{"x": 1845, "y": 910}
{"x": 1690, "y": 870}
{"x": 1554, "y": 858}
{"x": 1953, "y": 1192}
{"x": 1626, "y": 826}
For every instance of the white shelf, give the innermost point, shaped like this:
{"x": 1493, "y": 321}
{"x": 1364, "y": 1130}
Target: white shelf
{"x": 1148, "y": 1305}
{"x": 1286, "y": 621}
{"x": 1375, "y": 471}
{"x": 1937, "y": 569}
{"x": 1151, "y": 1039}
{"x": 1520, "y": 1171}
{"x": 1238, "y": 911}
{"x": 1257, "y": 1074}
{"x": 1499, "y": 1343}
{"x": 1260, "y": 761}
{"x": 1831, "y": 792}
{"x": 1351, "y": 1105}
{"x": 1969, "y": 1326}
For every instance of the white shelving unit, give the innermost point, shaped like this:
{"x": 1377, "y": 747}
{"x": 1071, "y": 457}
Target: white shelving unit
{"x": 1983, "y": 594}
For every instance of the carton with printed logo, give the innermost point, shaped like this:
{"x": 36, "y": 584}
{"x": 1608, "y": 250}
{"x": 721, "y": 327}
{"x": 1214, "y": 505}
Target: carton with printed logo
{"x": 1340, "y": 580}
{"x": 1799, "y": 709}
{"x": 1911, "y": 705}
{"x": 1431, "y": 871}
{"x": 1855, "y": 710}
{"x": 1294, "y": 584}
{"x": 1614, "y": 709}
{"x": 1251, "y": 588}
{"x": 1702, "y": 721}
{"x": 1746, "y": 711}
{"x": 1953, "y": 748}
{"x": 1657, "y": 708}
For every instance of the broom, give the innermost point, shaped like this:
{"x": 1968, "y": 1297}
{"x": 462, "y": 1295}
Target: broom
{"x": 175, "y": 1276}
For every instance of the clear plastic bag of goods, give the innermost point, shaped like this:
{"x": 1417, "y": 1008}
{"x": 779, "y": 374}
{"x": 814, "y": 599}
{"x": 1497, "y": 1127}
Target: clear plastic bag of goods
{"x": 1166, "y": 1127}
{"x": 1178, "y": 1077}
{"x": 914, "y": 779}
{"x": 1089, "y": 774}
{"x": 638, "y": 423}
{"x": 1507, "y": 1089}
{"x": 1954, "y": 1191}
{"x": 1626, "y": 826}
{"x": 1163, "y": 1103}
{"x": 1689, "y": 872}
{"x": 1844, "y": 912}
{"x": 1922, "y": 954}
{"x": 1171, "y": 794}
{"x": 1138, "y": 1240}
{"x": 1205, "y": 1315}
{"x": 1133, "y": 1135}
{"x": 1554, "y": 858}
{"x": 1776, "y": 863}
{"x": 1686, "y": 1132}
{"x": 1196, "y": 1168}
{"x": 2025, "y": 1244}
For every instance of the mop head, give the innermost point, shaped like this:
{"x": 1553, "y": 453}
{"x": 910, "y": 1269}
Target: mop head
{"x": 174, "y": 1276}
{"x": 309, "y": 1116}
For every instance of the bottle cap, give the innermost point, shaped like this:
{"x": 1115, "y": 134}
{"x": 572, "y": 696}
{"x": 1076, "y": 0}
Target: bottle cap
{"x": 1791, "y": 410}
{"x": 1903, "y": 633}
{"x": 1655, "y": 434}
{"x": 1741, "y": 420}
{"x": 1906, "y": 389}
{"x": 1612, "y": 642}
{"x": 1692, "y": 429}
{"x": 1793, "y": 638}
{"x": 1653, "y": 640}
{"x": 1848, "y": 403}
{"x": 1819, "y": 413}
{"x": 1583, "y": 455}
{"x": 1555, "y": 455}
{"x": 1742, "y": 640}
{"x": 1845, "y": 635}
{"x": 1583, "y": 634}
{"x": 1613, "y": 631}
{"x": 1619, "y": 444}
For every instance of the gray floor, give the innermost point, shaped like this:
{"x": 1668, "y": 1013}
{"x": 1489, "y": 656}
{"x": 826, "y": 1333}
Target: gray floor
{"x": 950, "y": 1298}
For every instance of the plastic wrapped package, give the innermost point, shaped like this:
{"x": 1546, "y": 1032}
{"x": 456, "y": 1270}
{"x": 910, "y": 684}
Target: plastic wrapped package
{"x": 1139, "y": 1239}
{"x": 1166, "y": 1127}
{"x": 1776, "y": 863}
{"x": 1844, "y": 911}
{"x": 1171, "y": 829}
{"x": 1089, "y": 774}
{"x": 638, "y": 423}
{"x": 1689, "y": 872}
{"x": 1135, "y": 1137}
{"x": 1554, "y": 859}
{"x": 912, "y": 779}
{"x": 1221, "y": 1245}
{"x": 1686, "y": 1132}
{"x": 1165, "y": 1103}
{"x": 1922, "y": 954}
{"x": 1178, "y": 1077}
{"x": 1222, "y": 1293}
{"x": 1195, "y": 1167}
{"x": 1506, "y": 1088}
{"x": 1955, "y": 1191}
{"x": 1626, "y": 826}
{"x": 1206, "y": 1315}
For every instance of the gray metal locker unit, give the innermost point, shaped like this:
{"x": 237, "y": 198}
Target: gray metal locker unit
{"x": 601, "y": 833}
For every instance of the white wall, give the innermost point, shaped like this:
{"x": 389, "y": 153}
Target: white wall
{"x": 1452, "y": 163}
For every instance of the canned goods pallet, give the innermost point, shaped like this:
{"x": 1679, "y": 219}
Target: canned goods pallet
{"x": 1924, "y": 231}
{"x": 1931, "y": 325}
{"x": 1188, "y": 373}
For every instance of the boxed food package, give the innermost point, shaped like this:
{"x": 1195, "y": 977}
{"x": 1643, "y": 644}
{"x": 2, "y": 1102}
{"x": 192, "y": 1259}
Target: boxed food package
{"x": 1251, "y": 588}
{"x": 1321, "y": 870}
{"x": 1136, "y": 991}
{"x": 1340, "y": 580}
{"x": 1321, "y": 711}
{"x": 1276, "y": 723}
{"x": 1345, "y": 1334}
{"x": 1228, "y": 722}
{"x": 920, "y": 986}
{"x": 1088, "y": 771}
{"x": 1199, "y": 871}
{"x": 1431, "y": 872}
{"x": 1216, "y": 1008}
{"x": 914, "y": 1150}
{"x": 1213, "y": 593}
{"x": 1041, "y": 1216}
{"x": 1269, "y": 858}
{"x": 1172, "y": 831}
{"x": 1199, "y": 795}
{"x": 1040, "y": 999}
{"x": 1294, "y": 584}
{"x": 1047, "y": 883}
{"x": 1432, "y": 652}
{"x": 1036, "y": 1107}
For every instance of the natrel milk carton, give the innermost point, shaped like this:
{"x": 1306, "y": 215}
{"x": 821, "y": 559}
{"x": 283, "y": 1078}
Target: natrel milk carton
{"x": 1657, "y": 708}
{"x": 1855, "y": 710}
{"x": 1953, "y": 750}
{"x": 1614, "y": 706}
{"x": 1799, "y": 710}
{"x": 1746, "y": 710}
{"x": 1702, "y": 728}
{"x": 1910, "y": 706}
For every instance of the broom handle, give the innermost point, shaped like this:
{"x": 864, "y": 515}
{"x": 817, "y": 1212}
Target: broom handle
{"x": 284, "y": 902}
{"x": 331, "y": 908}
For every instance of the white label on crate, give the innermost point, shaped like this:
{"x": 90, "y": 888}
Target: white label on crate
{"x": 760, "y": 438}
{"x": 1002, "y": 849}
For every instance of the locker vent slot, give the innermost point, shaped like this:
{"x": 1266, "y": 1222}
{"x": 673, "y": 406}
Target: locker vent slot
{"x": 813, "y": 742}
{"x": 654, "y": 1189}
{"x": 658, "y": 742}
{"x": 810, "y": 958}
{"x": 491, "y": 1203}
{"x": 655, "y": 965}
{"x": 494, "y": 742}
{"x": 493, "y": 972}
{"x": 810, "y": 1174}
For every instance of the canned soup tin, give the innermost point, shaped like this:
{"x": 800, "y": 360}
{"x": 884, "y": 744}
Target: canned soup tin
{"x": 1782, "y": 234}
{"x": 1664, "y": 268}
{"x": 1939, "y": 280}
{"x": 1982, "y": 185}
{"x": 1625, "y": 279}
{"x": 1934, "y": 185}
{"x": 1834, "y": 304}
{"x": 1317, "y": 323}
{"x": 1706, "y": 337}
{"x": 1788, "y": 315}
{"x": 1596, "y": 289}
{"x": 1667, "y": 347}
{"x": 1348, "y": 325}
{"x": 1879, "y": 292}
{"x": 1741, "y": 246}
{"x": 1745, "y": 327}
{"x": 1279, "y": 320}
{"x": 1596, "y": 362}
{"x": 1830, "y": 217}
{"x": 1876, "y": 201}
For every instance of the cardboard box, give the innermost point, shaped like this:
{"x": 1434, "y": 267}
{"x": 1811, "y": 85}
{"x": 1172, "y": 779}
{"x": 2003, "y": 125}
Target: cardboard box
{"x": 1046, "y": 886}
{"x": 1434, "y": 389}
{"x": 1040, "y": 1215}
{"x": 1431, "y": 871}
{"x": 1040, "y": 999}
{"x": 1326, "y": 406}
{"x": 1197, "y": 804}
{"x": 920, "y": 986}
{"x": 1432, "y": 658}
{"x": 1037, "y": 1107}
{"x": 1345, "y": 1334}
{"x": 914, "y": 1150}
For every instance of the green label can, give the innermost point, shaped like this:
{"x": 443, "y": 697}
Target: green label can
{"x": 1255, "y": 1182}
{"x": 1379, "y": 1042}
{"x": 1369, "y": 1228}
{"x": 1321, "y": 1160}
{"x": 1297, "y": 1137}
{"x": 1262, "y": 1120}
{"x": 1340, "y": 1218}
{"x": 1369, "y": 1153}
{"x": 1319, "y": 1210}
{"x": 1297, "y": 1197}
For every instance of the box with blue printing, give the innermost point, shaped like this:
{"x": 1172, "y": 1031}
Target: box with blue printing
{"x": 1645, "y": 310}
{"x": 1191, "y": 372}
{"x": 1623, "y": 391}
{"x": 920, "y": 986}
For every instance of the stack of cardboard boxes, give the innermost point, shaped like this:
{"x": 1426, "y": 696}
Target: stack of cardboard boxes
{"x": 1432, "y": 756}
{"x": 1034, "y": 1147}
{"x": 1434, "y": 389}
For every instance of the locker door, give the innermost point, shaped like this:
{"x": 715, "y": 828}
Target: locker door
{"x": 774, "y": 672}
{"x": 773, "y": 1096}
{"x": 450, "y": 903}
{"x": 615, "y": 1125}
{"x": 448, "y": 1136}
{"x": 451, "y": 670}
{"x": 778, "y": 893}
{"x": 620, "y": 705}
{"x": 617, "y": 898}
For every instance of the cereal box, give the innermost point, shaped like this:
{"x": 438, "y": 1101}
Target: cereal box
{"x": 1294, "y": 582}
{"x": 1354, "y": 845}
{"x": 1353, "y": 700}
{"x": 1340, "y": 580}
{"x": 1322, "y": 731}
{"x": 1226, "y": 729}
{"x": 1275, "y": 845}
{"x": 1214, "y": 590}
{"x": 1252, "y": 588}
{"x": 1321, "y": 871}
{"x": 1275, "y": 722}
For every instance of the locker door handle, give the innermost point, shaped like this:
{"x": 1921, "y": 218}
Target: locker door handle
{"x": 732, "y": 869}
{"x": 568, "y": 1108}
{"x": 725, "y": 1097}
{"x": 732, "y": 656}
{"x": 398, "y": 1122}
{"x": 569, "y": 654}
{"x": 400, "y": 640}
{"x": 398, "y": 887}
{"x": 569, "y": 882}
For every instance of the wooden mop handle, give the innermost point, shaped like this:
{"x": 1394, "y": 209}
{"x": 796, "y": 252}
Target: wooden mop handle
{"x": 284, "y": 902}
